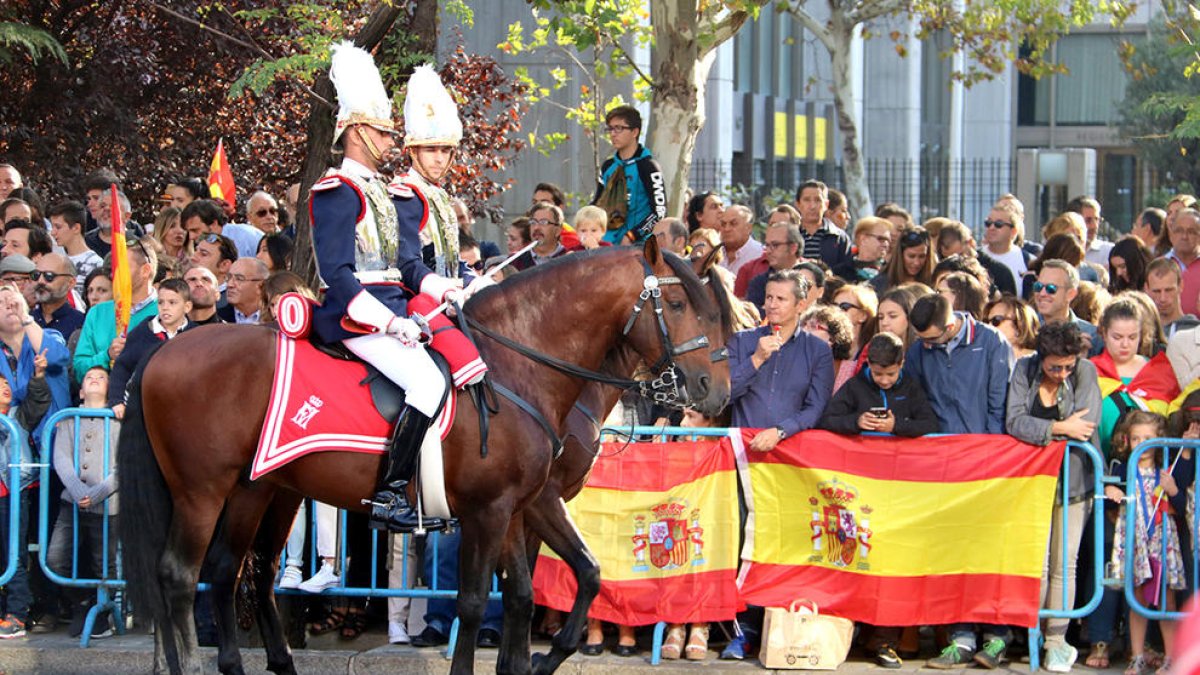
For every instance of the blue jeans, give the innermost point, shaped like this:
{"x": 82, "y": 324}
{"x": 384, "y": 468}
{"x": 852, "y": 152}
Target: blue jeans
{"x": 440, "y": 612}
{"x": 19, "y": 598}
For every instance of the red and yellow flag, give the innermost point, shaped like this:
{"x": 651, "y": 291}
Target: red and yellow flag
{"x": 122, "y": 282}
{"x": 662, "y": 520}
{"x": 220, "y": 176}
{"x": 900, "y": 532}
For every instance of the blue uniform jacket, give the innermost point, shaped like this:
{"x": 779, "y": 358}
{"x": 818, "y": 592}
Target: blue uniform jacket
{"x": 335, "y": 211}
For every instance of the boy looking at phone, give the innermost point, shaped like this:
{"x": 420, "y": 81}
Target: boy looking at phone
{"x": 879, "y": 398}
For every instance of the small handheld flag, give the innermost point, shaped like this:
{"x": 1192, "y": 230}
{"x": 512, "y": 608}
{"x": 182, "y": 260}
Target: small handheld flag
{"x": 220, "y": 176}
{"x": 122, "y": 282}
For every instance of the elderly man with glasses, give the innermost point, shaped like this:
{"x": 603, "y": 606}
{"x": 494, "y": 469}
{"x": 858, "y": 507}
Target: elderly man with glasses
{"x": 243, "y": 291}
{"x": 262, "y": 212}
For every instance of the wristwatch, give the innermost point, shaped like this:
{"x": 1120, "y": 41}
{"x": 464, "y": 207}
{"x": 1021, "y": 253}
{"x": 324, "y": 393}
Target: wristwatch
{"x": 781, "y": 432}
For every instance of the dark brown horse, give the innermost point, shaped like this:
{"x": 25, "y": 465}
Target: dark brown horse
{"x": 179, "y": 471}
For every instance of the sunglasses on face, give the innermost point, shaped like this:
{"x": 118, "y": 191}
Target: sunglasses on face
{"x": 847, "y": 306}
{"x": 1058, "y": 370}
{"x": 998, "y": 320}
{"x": 998, "y": 224}
{"x": 477, "y": 265}
{"x": 1051, "y": 289}
{"x": 263, "y": 212}
{"x": 38, "y": 275}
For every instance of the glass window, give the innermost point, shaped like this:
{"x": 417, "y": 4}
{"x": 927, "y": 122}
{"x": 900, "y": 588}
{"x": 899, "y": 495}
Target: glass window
{"x": 743, "y": 60}
{"x": 1095, "y": 85}
{"x": 783, "y": 74}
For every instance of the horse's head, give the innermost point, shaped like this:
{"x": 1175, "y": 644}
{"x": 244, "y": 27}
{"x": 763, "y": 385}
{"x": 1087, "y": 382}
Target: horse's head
{"x": 683, "y": 335}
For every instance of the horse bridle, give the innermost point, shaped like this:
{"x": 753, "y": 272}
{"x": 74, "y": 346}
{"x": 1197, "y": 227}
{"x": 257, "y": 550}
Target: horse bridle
{"x": 668, "y": 387}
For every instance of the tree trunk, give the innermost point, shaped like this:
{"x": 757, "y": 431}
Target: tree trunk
{"x": 320, "y": 141}
{"x": 677, "y": 107}
{"x": 857, "y": 192}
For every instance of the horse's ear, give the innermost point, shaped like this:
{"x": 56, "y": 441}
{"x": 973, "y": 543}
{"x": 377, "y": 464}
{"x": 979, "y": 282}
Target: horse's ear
{"x": 703, "y": 265}
{"x": 651, "y": 251}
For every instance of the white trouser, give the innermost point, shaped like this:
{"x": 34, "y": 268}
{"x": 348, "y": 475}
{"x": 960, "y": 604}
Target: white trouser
{"x": 409, "y": 367}
{"x": 404, "y": 560}
{"x": 326, "y": 533}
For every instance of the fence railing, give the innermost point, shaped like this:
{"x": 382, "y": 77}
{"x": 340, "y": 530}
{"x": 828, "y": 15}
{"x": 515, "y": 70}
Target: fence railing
{"x": 12, "y": 477}
{"x": 109, "y": 583}
{"x": 1134, "y": 508}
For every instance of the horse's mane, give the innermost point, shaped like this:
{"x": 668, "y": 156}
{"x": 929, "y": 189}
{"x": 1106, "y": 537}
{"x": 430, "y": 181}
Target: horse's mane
{"x": 721, "y": 292}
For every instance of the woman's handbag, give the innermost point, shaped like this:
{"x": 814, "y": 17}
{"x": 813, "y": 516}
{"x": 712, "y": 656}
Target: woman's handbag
{"x": 800, "y": 637}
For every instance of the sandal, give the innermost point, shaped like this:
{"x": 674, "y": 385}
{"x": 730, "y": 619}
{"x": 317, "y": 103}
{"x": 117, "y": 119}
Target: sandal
{"x": 332, "y": 621}
{"x": 1165, "y": 668}
{"x": 672, "y": 644}
{"x": 1098, "y": 658}
{"x": 697, "y": 646}
{"x": 1153, "y": 658}
{"x": 1137, "y": 666}
{"x": 355, "y": 624}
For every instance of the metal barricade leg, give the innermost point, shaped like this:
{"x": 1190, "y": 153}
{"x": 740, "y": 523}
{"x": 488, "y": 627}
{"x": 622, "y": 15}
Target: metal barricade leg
{"x": 656, "y": 648}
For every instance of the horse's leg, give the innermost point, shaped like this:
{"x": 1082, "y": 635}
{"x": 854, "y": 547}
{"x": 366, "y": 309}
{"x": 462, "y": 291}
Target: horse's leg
{"x": 549, "y": 519}
{"x": 272, "y": 535}
{"x": 477, "y": 558}
{"x": 518, "y": 602}
{"x": 225, "y": 558}
{"x": 192, "y": 526}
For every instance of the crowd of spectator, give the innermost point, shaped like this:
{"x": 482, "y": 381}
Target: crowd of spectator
{"x": 882, "y": 325}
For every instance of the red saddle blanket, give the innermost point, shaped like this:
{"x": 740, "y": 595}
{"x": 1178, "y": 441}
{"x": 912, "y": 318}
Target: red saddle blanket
{"x": 318, "y": 404}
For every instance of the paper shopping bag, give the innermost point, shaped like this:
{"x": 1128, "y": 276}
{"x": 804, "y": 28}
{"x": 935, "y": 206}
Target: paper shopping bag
{"x": 800, "y": 637}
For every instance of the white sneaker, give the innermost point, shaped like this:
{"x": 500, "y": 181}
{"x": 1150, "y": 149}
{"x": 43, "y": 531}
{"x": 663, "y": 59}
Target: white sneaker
{"x": 1060, "y": 657}
{"x": 291, "y": 577}
{"x": 397, "y": 634}
{"x": 324, "y": 578}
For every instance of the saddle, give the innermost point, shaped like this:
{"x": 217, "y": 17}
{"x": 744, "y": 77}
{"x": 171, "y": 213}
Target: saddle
{"x": 385, "y": 394}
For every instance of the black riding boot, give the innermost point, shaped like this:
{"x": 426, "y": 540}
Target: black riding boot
{"x": 390, "y": 509}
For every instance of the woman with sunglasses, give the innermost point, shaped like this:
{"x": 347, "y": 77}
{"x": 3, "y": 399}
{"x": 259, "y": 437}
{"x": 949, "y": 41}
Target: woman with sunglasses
{"x": 1016, "y": 321}
{"x": 911, "y": 259}
{"x": 1054, "y": 394}
{"x": 860, "y": 305}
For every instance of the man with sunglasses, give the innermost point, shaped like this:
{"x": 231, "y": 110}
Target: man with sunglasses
{"x": 262, "y": 212}
{"x": 1000, "y": 233}
{"x": 1056, "y": 287}
{"x": 52, "y": 283}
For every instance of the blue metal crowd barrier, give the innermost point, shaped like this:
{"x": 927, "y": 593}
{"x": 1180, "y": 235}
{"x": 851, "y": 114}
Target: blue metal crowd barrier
{"x": 1171, "y": 448}
{"x": 12, "y": 478}
{"x": 1097, "y": 515}
{"x": 108, "y": 588}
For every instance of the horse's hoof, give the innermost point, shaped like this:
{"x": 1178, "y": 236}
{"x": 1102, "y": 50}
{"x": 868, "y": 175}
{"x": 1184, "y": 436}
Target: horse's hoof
{"x": 541, "y": 664}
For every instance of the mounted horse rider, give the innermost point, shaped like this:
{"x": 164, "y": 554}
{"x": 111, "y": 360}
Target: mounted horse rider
{"x": 368, "y": 238}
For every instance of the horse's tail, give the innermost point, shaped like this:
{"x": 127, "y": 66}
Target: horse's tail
{"x": 146, "y": 507}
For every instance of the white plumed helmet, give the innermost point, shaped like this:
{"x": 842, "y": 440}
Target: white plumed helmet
{"x": 430, "y": 114}
{"x": 360, "y": 93}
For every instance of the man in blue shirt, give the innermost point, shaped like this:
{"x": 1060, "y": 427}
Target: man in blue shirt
{"x": 646, "y": 190}
{"x": 782, "y": 378}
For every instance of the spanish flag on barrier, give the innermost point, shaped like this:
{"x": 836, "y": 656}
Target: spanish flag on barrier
{"x": 899, "y": 532}
{"x": 662, "y": 520}
{"x": 220, "y": 176}
{"x": 122, "y": 283}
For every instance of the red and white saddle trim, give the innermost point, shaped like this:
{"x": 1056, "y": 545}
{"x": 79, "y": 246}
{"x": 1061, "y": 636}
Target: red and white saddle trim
{"x": 318, "y": 405}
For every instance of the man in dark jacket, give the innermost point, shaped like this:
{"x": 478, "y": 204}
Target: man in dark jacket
{"x": 880, "y": 398}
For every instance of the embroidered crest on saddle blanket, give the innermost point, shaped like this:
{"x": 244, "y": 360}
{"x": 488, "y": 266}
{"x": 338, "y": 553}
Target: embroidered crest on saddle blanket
{"x": 318, "y": 404}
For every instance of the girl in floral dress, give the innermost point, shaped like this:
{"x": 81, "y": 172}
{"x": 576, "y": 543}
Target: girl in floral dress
{"x": 1154, "y": 486}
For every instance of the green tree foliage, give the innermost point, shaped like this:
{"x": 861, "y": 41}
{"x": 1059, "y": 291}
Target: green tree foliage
{"x": 1160, "y": 115}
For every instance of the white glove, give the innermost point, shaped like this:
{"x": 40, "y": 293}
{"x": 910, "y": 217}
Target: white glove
{"x": 454, "y": 296}
{"x": 405, "y": 330}
{"x": 440, "y": 287}
{"x": 478, "y": 284}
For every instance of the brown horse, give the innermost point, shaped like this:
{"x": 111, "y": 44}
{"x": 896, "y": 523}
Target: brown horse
{"x": 178, "y": 472}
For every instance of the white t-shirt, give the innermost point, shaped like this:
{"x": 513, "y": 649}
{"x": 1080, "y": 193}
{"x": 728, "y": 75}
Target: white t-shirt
{"x": 1013, "y": 260}
{"x": 84, "y": 264}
